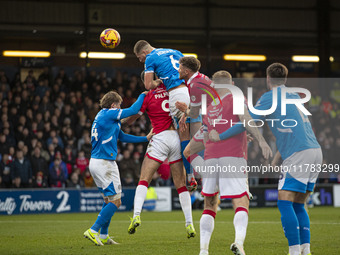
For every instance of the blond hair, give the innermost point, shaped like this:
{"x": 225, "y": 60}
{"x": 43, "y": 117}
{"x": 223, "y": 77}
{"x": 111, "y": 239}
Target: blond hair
{"x": 222, "y": 77}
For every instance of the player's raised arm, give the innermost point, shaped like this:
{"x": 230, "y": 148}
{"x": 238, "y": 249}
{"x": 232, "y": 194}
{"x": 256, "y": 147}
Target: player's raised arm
{"x": 149, "y": 81}
{"x": 133, "y": 109}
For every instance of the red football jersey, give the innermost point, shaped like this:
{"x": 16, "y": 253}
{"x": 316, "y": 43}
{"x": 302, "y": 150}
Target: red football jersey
{"x": 198, "y": 84}
{"x": 156, "y": 105}
{"x": 235, "y": 146}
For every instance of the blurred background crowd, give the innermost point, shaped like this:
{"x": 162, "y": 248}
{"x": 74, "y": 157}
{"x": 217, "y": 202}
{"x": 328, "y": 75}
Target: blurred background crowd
{"x": 46, "y": 123}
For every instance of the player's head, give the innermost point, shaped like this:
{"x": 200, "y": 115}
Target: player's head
{"x": 222, "y": 77}
{"x": 276, "y": 75}
{"x": 188, "y": 66}
{"x": 141, "y": 49}
{"x": 111, "y": 100}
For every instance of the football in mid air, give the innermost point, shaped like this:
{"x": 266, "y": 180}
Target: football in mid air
{"x": 110, "y": 38}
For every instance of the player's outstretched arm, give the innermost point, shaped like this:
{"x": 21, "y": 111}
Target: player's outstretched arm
{"x": 126, "y": 138}
{"x": 130, "y": 120}
{"x": 239, "y": 128}
{"x": 133, "y": 109}
{"x": 234, "y": 130}
{"x": 254, "y": 131}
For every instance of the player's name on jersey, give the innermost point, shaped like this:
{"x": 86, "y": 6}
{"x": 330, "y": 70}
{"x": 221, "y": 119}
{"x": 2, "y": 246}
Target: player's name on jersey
{"x": 161, "y": 52}
{"x": 162, "y": 95}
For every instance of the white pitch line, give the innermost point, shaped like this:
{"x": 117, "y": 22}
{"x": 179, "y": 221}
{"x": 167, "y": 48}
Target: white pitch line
{"x": 151, "y": 221}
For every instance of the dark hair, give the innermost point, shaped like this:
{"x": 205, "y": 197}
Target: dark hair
{"x": 277, "y": 73}
{"x": 191, "y": 63}
{"x": 109, "y": 98}
{"x": 139, "y": 46}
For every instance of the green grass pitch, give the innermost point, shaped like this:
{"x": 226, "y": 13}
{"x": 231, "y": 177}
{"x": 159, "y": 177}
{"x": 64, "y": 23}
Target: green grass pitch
{"x": 161, "y": 233}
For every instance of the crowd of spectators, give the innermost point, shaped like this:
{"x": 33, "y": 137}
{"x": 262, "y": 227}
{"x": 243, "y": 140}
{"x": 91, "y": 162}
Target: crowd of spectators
{"x": 46, "y": 122}
{"x": 45, "y": 128}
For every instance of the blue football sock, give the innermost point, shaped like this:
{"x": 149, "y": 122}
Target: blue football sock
{"x": 104, "y": 216}
{"x": 185, "y": 161}
{"x": 105, "y": 229}
{"x": 304, "y": 222}
{"x": 289, "y": 221}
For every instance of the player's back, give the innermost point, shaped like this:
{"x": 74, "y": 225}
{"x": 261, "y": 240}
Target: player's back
{"x": 156, "y": 105}
{"x": 165, "y": 63}
{"x": 104, "y": 134}
{"x": 293, "y": 131}
{"x": 220, "y": 119}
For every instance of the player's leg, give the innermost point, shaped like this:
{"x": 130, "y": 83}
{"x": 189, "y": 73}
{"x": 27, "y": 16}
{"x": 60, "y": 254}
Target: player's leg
{"x": 210, "y": 193}
{"x": 314, "y": 160}
{"x": 288, "y": 186}
{"x": 207, "y": 222}
{"x": 195, "y": 145}
{"x": 185, "y": 139}
{"x": 111, "y": 188}
{"x": 178, "y": 175}
{"x": 292, "y": 186}
{"x": 149, "y": 167}
{"x": 181, "y": 95}
{"x": 179, "y": 178}
{"x": 233, "y": 185}
{"x": 289, "y": 220}
{"x": 241, "y": 208}
{"x": 103, "y": 220}
{"x": 104, "y": 231}
{"x": 304, "y": 222}
{"x": 193, "y": 156}
{"x": 195, "y": 126}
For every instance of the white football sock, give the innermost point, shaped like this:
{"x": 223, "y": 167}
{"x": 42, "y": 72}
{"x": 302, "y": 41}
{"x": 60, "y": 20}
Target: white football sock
{"x": 207, "y": 224}
{"x": 139, "y": 199}
{"x": 103, "y": 236}
{"x": 185, "y": 200}
{"x": 240, "y": 224}
{"x": 305, "y": 248}
{"x": 294, "y": 249}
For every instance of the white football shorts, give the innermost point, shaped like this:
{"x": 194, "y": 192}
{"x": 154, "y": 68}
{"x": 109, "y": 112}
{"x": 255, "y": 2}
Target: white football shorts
{"x": 300, "y": 170}
{"x": 179, "y": 94}
{"x": 105, "y": 174}
{"x": 165, "y": 145}
{"x": 226, "y": 175}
